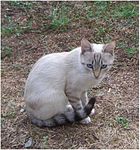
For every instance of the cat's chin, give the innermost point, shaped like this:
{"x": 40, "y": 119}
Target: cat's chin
{"x": 96, "y": 78}
{"x": 96, "y": 82}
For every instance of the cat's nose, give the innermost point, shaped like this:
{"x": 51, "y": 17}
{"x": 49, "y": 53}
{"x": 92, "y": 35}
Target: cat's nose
{"x": 96, "y": 73}
{"x": 96, "y": 77}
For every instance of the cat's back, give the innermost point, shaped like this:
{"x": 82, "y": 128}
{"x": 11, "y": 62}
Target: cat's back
{"x": 49, "y": 62}
{"x": 51, "y": 59}
{"x": 49, "y": 69}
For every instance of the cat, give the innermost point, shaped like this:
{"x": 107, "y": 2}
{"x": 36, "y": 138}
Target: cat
{"x": 56, "y": 88}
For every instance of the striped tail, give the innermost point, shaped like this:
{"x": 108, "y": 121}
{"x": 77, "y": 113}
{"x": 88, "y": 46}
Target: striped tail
{"x": 69, "y": 116}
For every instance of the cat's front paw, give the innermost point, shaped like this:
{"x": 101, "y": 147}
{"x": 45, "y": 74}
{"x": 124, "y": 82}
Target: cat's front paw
{"x": 92, "y": 112}
{"x": 86, "y": 121}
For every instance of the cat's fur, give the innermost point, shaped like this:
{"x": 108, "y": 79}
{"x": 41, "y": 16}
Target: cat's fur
{"x": 55, "y": 91}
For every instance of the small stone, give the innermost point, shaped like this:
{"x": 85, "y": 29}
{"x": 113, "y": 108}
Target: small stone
{"x": 29, "y": 143}
{"x": 109, "y": 89}
{"x": 22, "y": 110}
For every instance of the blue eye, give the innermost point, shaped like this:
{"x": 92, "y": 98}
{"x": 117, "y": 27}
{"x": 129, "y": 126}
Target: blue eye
{"x": 90, "y": 66}
{"x": 103, "y": 66}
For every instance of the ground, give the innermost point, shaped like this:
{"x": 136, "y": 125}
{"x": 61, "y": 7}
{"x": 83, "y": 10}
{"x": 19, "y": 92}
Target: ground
{"x": 32, "y": 29}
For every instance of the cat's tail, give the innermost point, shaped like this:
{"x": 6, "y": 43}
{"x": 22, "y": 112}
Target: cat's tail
{"x": 69, "y": 116}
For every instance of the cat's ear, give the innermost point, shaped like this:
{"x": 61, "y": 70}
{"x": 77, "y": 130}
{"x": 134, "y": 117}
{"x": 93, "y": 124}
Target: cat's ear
{"x": 109, "y": 48}
{"x": 85, "y": 46}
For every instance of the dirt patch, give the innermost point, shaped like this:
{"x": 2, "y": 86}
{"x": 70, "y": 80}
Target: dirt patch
{"x": 116, "y": 122}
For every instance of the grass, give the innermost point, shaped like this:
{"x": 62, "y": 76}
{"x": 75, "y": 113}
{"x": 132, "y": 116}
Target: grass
{"x": 100, "y": 10}
{"x": 61, "y": 18}
{"x": 130, "y": 51}
{"x": 8, "y": 31}
{"x": 125, "y": 11}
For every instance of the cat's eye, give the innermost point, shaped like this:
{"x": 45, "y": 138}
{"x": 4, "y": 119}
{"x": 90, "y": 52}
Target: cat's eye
{"x": 90, "y": 66}
{"x": 103, "y": 66}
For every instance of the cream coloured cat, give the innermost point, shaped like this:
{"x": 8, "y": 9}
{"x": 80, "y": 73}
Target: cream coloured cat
{"x": 56, "y": 88}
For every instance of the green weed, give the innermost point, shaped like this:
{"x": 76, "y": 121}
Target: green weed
{"x": 123, "y": 122}
{"x": 14, "y": 28}
{"x": 131, "y": 51}
{"x": 22, "y": 5}
{"x": 11, "y": 114}
{"x": 90, "y": 14}
{"x": 97, "y": 10}
{"x": 45, "y": 142}
{"x": 58, "y": 18}
{"x": 9, "y": 29}
{"x": 101, "y": 30}
{"x": 102, "y": 5}
{"x": 6, "y": 31}
{"x": 7, "y": 52}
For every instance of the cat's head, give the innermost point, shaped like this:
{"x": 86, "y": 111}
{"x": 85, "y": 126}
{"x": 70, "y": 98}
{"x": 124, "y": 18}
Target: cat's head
{"x": 97, "y": 58}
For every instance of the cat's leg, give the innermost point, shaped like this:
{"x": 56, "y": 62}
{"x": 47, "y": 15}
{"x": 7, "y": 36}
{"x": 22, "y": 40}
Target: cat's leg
{"x": 78, "y": 106}
{"x": 86, "y": 120}
{"x": 68, "y": 116}
{"x": 85, "y": 100}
